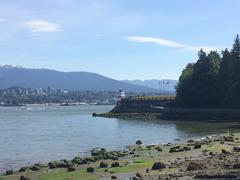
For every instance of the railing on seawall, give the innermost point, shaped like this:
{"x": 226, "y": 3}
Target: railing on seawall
{"x": 145, "y": 98}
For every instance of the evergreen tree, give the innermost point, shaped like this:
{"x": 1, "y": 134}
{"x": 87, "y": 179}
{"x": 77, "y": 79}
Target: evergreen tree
{"x": 225, "y": 79}
{"x": 236, "y": 47}
{"x": 235, "y": 53}
{"x": 212, "y": 73}
{"x": 233, "y": 96}
{"x": 205, "y": 78}
{"x": 198, "y": 80}
{"x": 184, "y": 93}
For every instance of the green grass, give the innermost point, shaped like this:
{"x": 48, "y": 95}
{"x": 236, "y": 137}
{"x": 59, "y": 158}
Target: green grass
{"x": 135, "y": 166}
{"x": 217, "y": 148}
{"x": 79, "y": 174}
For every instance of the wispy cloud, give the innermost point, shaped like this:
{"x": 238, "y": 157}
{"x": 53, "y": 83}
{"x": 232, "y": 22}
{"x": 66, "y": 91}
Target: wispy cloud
{"x": 168, "y": 43}
{"x": 2, "y": 20}
{"x": 38, "y": 26}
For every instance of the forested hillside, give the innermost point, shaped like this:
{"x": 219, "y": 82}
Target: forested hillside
{"x": 72, "y": 81}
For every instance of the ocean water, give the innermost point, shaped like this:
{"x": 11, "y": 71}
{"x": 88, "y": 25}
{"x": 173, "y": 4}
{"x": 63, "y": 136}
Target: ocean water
{"x": 38, "y": 133}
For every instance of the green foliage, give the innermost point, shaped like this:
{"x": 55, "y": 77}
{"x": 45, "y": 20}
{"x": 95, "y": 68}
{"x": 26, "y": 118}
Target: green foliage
{"x": 183, "y": 92}
{"x": 225, "y": 78}
{"x": 213, "y": 81}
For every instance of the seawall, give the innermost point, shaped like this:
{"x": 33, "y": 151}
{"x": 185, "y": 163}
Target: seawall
{"x": 142, "y": 104}
{"x": 164, "y": 109}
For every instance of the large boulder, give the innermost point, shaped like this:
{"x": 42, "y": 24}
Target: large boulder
{"x": 224, "y": 151}
{"x": 35, "y": 167}
{"x": 71, "y": 168}
{"x": 115, "y": 164}
{"x": 139, "y": 142}
{"x": 187, "y": 148}
{"x": 229, "y": 138}
{"x": 114, "y": 155}
{"x": 52, "y": 165}
{"x": 158, "y": 148}
{"x": 23, "y": 169}
{"x": 190, "y": 141}
{"x": 197, "y": 146}
{"x": 236, "y": 149}
{"x": 64, "y": 164}
{"x": 176, "y": 149}
{"x": 90, "y": 169}
{"x": 98, "y": 151}
{"x": 103, "y": 164}
{"x": 79, "y": 160}
{"x": 59, "y": 164}
{"x": 236, "y": 166}
{"x": 158, "y": 165}
{"x": 9, "y": 172}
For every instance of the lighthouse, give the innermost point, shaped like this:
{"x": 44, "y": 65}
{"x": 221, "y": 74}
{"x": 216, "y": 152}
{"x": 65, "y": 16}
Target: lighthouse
{"x": 121, "y": 95}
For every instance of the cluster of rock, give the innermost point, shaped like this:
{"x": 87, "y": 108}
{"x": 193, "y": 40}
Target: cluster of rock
{"x": 101, "y": 153}
{"x": 96, "y": 155}
{"x": 179, "y": 149}
{"x": 227, "y": 159}
{"x": 223, "y": 165}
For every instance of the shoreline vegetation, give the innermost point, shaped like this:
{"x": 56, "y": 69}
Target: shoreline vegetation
{"x": 215, "y": 156}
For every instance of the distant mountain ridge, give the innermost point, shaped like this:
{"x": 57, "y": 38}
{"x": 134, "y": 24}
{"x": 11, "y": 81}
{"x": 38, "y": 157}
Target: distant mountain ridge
{"x": 82, "y": 81}
{"x": 156, "y": 84}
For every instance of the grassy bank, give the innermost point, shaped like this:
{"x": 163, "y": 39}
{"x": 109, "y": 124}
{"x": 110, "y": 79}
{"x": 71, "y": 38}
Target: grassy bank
{"x": 209, "y": 157}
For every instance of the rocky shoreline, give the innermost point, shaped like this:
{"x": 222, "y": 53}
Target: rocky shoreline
{"x": 165, "y": 109}
{"x": 177, "y": 114}
{"x": 147, "y": 116}
{"x": 210, "y": 157}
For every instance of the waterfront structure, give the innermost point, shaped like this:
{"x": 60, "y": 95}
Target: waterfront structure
{"x": 121, "y": 95}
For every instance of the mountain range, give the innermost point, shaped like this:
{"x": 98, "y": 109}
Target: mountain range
{"x": 82, "y": 81}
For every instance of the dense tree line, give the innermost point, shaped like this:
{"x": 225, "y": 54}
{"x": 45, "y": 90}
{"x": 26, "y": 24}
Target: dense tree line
{"x": 213, "y": 81}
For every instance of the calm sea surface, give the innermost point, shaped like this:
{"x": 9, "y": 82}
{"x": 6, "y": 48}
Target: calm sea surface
{"x": 40, "y": 133}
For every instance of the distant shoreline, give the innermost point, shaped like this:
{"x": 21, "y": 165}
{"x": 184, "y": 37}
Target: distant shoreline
{"x": 12, "y": 105}
{"x": 52, "y": 104}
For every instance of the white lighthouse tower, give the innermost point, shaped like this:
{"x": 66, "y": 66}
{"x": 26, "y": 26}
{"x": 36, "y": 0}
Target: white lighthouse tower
{"x": 121, "y": 95}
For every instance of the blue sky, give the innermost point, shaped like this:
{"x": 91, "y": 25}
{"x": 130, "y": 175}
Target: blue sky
{"x": 121, "y": 39}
